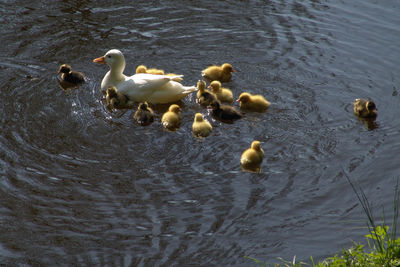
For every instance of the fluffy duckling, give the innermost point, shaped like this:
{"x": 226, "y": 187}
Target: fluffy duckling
{"x": 365, "y": 108}
{"x": 171, "y": 119}
{"x": 252, "y": 157}
{"x": 115, "y": 99}
{"x": 224, "y": 113}
{"x": 144, "y": 69}
{"x": 253, "y": 102}
{"x": 144, "y": 115}
{"x": 221, "y": 73}
{"x": 201, "y": 127}
{"x": 69, "y": 76}
{"x": 204, "y": 96}
{"x": 223, "y": 94}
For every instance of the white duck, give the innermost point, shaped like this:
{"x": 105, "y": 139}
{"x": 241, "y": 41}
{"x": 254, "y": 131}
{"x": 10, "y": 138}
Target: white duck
{"x": 155, "y": 89}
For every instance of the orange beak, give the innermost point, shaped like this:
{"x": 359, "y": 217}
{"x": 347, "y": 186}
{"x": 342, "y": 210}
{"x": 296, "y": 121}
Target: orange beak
{"x": 99, "y": 60}
{"x": 233, "y": 70}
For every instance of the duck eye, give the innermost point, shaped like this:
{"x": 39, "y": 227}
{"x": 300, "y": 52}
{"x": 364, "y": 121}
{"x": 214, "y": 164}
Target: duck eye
{"x": 109, "y": 56}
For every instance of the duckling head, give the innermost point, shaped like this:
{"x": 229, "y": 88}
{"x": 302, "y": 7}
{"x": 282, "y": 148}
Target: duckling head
{"x": 141, "y": 69}
{"x": 201, "y": 85}
{"x": 174, "y": 108}
{"x": 256, "y": 145}
{"x": 198, "y": 117}
{"x": 370, "y": 105}
{"x": 65, "y": 68}
{"x": 244, "y": 98}
{"x": 226, "y": 67}
{"x": 215, "y": 86}
{"x": 215, "y": 105}
{"x": 143, "y": 106}
{"x": 111, "y": 91}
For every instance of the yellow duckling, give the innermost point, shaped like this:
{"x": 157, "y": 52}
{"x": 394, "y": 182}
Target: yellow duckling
{"x": 252, "y": 157}
{"x": 204, "y": 96}
{"x": 144, "y": 115}
{"x": 223, "y": 94}
{"x": 253, "y": 102}
{"x": 116, "y": 100}
{"x": 69, "y": 77}
{"x": 171, "y": 119}
{"x": 144, "y": 69}
{"x": 221, "y": 73}
{"x": 365, "y": 108}
{"x": 201, "y": 127}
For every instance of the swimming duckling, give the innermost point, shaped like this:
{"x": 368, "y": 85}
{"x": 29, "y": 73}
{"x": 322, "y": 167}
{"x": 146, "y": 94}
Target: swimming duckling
{"x": 144, "y": 69}
{"x": 221, "y": 73}
{"x": 69, "y": 77}
{"x": 204, "y": 96}
{"x": 253, "y": 102}
{"x": 116, "y": 100}
{"x": 223, "y": 94}
{"x": 200, "y": 126}
{"x": 252, "y": 157}
{"x": 365, "y": 108}
{"x": 144, "y": 115}
{"x": 224, "y": 113}
{"x": 171, "y": 119}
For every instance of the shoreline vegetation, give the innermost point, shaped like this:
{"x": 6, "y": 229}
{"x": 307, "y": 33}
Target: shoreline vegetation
{"x": 382, "y": 249}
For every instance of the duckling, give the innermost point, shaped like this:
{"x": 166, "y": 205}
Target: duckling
{"x": 204, "y": 96}
{"x": 253, "y": 102}
{"x": 144, "y": 115}
{"x": 154, "y": 71}
{"x": 224, "y": 113}
{"x": 365, "y": 108}
{"x": 223, "y": 94}
{"x": 69, "y": 76}
{"x": 171, "y": 119}
{"x": 144, "y": 69}
{"x": 221, "y": 73}
{"x": 252, "y": 157}
{"x": 116, "y": 100}
{"x": 201, "y": 127}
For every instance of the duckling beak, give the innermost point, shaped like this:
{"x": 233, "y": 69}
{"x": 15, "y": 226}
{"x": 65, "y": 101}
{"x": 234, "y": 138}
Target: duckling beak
{"x": 233, "y": 70}
{"x": 99, "y": 60}
{"x": 238, "y": 100}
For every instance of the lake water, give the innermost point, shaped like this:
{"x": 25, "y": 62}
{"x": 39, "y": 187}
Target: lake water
{"x": 81, "y": 185}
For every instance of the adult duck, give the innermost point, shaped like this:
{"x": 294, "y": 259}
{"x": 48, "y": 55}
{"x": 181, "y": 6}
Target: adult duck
{"x": 141, "y": 87}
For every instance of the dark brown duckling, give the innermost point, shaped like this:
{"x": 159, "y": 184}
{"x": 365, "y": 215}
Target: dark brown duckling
{"x": 365, "y": 108}
{"x": 144, "y": 115}
{"x": 116, "y": 100}
{"x": 70, "y": 76}
{"x": 204, "y": 96}
{"x": 224, "y": 113}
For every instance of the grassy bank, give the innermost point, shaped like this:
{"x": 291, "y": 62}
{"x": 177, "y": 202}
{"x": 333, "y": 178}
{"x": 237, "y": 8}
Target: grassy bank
{"x": 382, "y": 249}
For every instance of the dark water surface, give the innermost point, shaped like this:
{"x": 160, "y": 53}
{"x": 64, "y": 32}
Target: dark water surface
{"x": 83, "y": 186}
